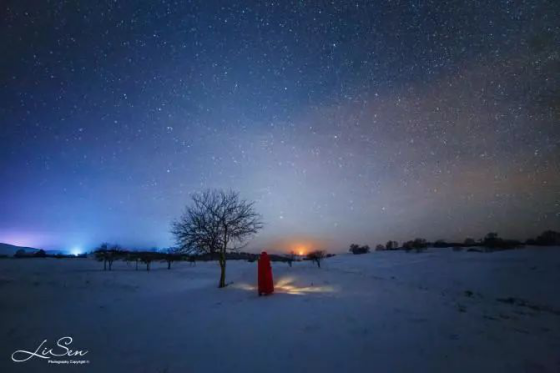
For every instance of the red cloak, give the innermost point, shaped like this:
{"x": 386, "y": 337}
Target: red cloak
{"x": 266, "y": 286}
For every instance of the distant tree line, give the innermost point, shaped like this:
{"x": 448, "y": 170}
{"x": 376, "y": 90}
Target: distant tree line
{"x": 491, "y": 242}
{"x": 21, "y": 253}
{"x": 110, "y": 253}
{"x": 546, "y": 238}
{"x": 357, "y": 249}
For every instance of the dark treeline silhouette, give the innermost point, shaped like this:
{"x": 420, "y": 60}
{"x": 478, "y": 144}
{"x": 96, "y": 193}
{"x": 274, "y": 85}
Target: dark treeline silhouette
{"x": 547, "y": 238}
{"x": 357, "y": 249}
{"x": 44, "y": 254}
{"x": 418, "y": 244}
{"x": 108, "y": 254}
{"x": 250, "y": 257}
{"x": 390, "y": 245}
{"x": 491, "y": 242}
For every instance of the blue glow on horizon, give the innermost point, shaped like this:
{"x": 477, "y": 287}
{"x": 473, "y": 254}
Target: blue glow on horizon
{"x": 76, "y": 251}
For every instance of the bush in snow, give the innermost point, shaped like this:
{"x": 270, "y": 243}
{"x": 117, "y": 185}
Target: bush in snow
{"x": 547, "y": 238}
{"x": 391, "y": 245}
{"x": 441, "y": 244}
{"x": 407, "y": 246}
{"x": 40, "y": 254}
{"x": 493, "y": 242}
{"x": 418, "y": 244}
{"x": 357, "y": 249}
{"x": 20, "y": 254}
{"x": 469, "y": 242}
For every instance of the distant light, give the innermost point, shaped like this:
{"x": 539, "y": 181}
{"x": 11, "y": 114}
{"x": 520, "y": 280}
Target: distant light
{"x": 76, "y": 251}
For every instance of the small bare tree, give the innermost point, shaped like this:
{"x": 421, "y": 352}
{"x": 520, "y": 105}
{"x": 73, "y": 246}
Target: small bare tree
{"x": 317, "y": 257}
{"x": 108, "y": 254}
{"x": 171, "y": 256}
{"x": 290, "y": 258}
{"x": 147, "y": 257}
{"x": 101, "y": 254}
{"x": 216, "y": 222}
{"x": 115, "y": 253}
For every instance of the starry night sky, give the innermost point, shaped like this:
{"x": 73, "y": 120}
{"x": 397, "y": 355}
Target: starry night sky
{"x": 346, "y": 121}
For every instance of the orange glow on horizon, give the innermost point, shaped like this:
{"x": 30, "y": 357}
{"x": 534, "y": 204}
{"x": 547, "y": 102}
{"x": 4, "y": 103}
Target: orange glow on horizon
{"x": 300, "y": 249}
{"x": 300, "y": 246}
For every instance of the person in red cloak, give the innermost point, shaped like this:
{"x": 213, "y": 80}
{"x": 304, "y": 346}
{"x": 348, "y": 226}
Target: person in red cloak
{"x": 266, "y": 286}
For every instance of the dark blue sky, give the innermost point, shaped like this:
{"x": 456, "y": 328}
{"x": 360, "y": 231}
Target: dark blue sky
{"x": 346, "y": 121}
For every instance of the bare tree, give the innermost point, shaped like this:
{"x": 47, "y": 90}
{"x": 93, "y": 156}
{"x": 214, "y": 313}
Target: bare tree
{"x": 147, "y": 257}
{"x": 115, "y": 253}
{"x": 290, "y": 258}
{"x": 216, "y": 222}
{"x": 101, "y": 254}
{"x": 171, "y": 256}
{"x": 108, "y": 254}
{"x": 317, "y": 256}
{"x": 133, "y": 257}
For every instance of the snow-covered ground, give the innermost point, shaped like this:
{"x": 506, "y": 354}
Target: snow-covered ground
{"x": 382, "y": 312}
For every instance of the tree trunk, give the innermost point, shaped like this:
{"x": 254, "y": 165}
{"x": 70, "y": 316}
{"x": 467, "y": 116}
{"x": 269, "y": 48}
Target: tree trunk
{"x": 137, "y": 264}
{"x": 147, "y": 266}
{"x": 222, "y": 261}
{"x": 104, "y": 265}
{"x": 168, "y": 265}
